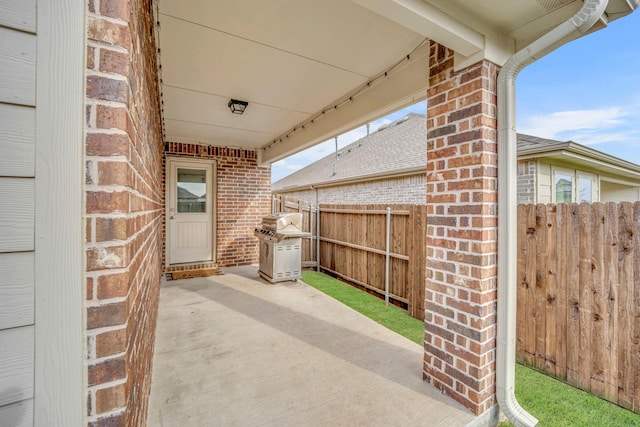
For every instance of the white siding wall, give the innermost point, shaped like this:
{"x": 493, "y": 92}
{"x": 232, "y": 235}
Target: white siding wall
{"x": 543, "y": 180}
{"x": 606, "y": 187}
{"x": 17, "y": 210}
{"x": 615, "y": 192}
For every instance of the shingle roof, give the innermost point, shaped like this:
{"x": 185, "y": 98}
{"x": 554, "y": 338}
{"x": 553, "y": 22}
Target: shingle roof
{"x": 530, "y": 141}
{"x": 400, "y": 145}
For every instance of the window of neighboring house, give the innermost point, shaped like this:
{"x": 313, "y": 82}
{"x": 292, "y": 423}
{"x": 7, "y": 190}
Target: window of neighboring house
{"x": 573, "y": 186}
{"x": 585, "y": 188}
{"x": 563, "y": 187}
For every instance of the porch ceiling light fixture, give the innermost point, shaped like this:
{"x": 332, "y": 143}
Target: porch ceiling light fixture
{"x": 236, "y": 106}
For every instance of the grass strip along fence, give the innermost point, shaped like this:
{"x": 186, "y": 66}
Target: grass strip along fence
{"x": 378, "y": 247}
{"x": 552, "y": 402}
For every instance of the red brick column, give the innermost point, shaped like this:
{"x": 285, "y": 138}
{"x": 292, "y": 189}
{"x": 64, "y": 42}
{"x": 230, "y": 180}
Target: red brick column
{"x": 124, "y": 207}
{"x": 460, "y": 317}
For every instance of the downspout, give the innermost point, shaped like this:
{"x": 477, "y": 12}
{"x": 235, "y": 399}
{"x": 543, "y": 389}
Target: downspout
{"x": 589, "y": 14}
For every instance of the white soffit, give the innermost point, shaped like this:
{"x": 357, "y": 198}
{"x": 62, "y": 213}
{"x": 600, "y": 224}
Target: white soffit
{"x": 289, "y": 59}
{"x": 293, "y": 59}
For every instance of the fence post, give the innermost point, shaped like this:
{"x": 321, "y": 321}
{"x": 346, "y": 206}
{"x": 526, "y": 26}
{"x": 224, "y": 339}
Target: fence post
{"x": 311, "y": 232}
{"x": 387, "y": 260}
{"x": 318, "y": 239}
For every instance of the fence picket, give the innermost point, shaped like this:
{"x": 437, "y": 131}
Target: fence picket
{"x": 590, "y": 257}
{"x": 561, "y": 290}
{"x": 599, "y": 309}
{"x": 585, "y": 298}
{"x": 610, "y": 256}
{"x": 551, "y": 290}
{"x": 530, "y": 283}
{"x": 573, "y": 295}
{"x": 626, "y": 311}
{"x": 635, "y": 255}
{"x": 522, "y": 285}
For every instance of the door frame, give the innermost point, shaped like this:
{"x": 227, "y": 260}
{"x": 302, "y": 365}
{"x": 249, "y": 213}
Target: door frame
{"x": 170, "y": 160}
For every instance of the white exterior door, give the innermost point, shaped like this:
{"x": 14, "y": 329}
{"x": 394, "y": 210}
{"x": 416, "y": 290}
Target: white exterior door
{"x": 190, "y": 211}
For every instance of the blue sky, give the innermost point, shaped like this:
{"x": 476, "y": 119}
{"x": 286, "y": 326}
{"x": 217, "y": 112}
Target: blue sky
{"x": 587, "y": 91}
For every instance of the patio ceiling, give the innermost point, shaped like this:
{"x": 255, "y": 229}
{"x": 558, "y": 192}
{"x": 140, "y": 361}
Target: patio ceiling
{"x": 294, "y": 61}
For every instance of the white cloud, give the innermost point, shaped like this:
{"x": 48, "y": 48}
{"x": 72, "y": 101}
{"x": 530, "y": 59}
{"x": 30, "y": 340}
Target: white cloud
{"x": 593, "y": 138}
{"x": 555, "y": 124}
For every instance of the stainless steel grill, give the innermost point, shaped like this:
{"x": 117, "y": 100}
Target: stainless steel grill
{"x": 280, "y": 246}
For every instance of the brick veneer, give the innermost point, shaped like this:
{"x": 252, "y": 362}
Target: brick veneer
{"x": 527, "y": 185}
{"x": 398, "y": 191}
{"x": 460, "y": 318}
{"x": 243, "y": 197}
{"x": 124, "y": 206}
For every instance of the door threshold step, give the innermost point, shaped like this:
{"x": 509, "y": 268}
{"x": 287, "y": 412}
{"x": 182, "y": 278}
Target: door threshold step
{"x": 177, "y": 275}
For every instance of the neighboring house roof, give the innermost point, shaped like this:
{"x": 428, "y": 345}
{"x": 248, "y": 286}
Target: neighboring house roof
{"x": 394, "y": 149}
{"x": 530, "y": 147}
{"x": 399, "y": 148}
{"x": 183, "y": 193}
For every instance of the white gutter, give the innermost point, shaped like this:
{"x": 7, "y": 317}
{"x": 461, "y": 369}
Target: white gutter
{"x": 590, "y": 13}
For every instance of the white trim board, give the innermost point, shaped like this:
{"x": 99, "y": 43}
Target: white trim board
{"x": 60, "y": 373}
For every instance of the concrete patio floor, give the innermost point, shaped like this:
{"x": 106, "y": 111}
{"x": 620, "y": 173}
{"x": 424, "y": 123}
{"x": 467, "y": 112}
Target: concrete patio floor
{"x": 232, "y": 350}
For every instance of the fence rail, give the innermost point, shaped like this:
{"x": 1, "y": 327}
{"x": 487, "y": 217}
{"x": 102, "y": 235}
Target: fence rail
{"x": 351, "y": 242}
{"x": 579, "y": 296}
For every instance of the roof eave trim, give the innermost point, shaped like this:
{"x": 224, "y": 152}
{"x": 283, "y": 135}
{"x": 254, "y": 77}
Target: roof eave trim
{"x": 572, "y": 149}
{"x": 356, "y": 180}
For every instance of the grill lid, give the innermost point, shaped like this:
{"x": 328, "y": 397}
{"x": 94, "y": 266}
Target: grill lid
{"x": 283, "y": 222}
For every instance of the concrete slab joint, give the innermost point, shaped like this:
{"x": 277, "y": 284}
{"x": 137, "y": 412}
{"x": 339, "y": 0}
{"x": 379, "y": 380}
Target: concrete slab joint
{"x": 460, "y": 318}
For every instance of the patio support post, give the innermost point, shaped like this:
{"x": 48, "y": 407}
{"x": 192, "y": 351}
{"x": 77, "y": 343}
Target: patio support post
{"x": 460, "y": 297}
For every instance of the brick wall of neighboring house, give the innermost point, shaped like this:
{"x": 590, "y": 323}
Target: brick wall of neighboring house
{"x": 242, "y": 198}
{"x": 527, "y": 181}
{"x": 460, "y": 318}
{"x": 399, "y": 190}
{"x": 124, "y": 206}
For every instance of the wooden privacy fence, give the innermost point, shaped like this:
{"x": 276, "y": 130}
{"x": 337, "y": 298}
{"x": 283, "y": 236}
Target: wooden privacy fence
{"x": 353, "y": 246}
{"x": 351, "y": 241}
{"x": 579, "y": 296}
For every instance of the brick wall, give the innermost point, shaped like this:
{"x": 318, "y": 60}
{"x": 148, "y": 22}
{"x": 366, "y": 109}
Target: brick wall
{"x": 243, "y": 198}
{"x": 124, "y": 205}
{"x": 460, "y": 318}
{"x": 527, "y": 181}
{"x": 400, "y": 191}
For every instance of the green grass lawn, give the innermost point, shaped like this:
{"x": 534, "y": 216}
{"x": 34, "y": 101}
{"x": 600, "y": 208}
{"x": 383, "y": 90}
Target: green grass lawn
{"x": 390, "y": 316}
{"x": 552, "y": 402}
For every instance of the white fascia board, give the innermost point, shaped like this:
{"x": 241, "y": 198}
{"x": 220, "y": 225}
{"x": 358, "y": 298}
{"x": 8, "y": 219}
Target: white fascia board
{"x": 587, "y": 158}
{"x": 398, "y": 173}
{"x": 471, "y": 39}
{"x": 401, "y": 88}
